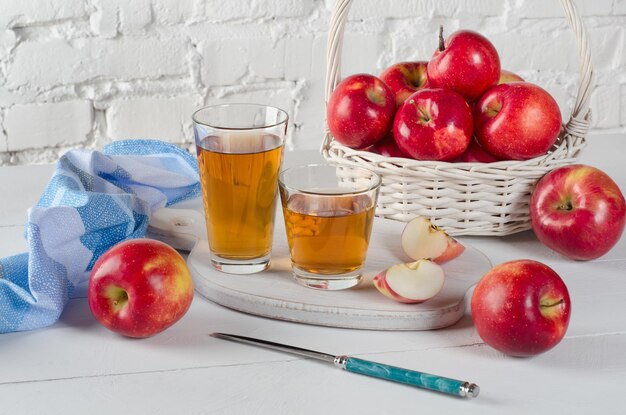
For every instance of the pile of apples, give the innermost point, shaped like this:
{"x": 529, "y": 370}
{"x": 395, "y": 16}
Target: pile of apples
{"x": 458, "y": 107}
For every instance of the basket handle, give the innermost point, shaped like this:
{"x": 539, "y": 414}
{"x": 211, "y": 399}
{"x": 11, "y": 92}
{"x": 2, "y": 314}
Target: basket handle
{"x": 578, "y": 123}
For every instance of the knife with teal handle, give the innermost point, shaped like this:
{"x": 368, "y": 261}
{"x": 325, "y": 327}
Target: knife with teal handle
{"x": 365, "y": 367}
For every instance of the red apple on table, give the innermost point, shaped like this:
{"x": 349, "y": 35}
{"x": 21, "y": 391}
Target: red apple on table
{"x": 517, "y": 121}
{"x": 578, "y": 211}
{"x": 139, "y": 287}
{"x": 433, "y": 124}
{"x": 475, "y": 154}
{"x": 387, "y": 147}
{"x": 521, "y": 308}
{"x": 360, "y": 111}
{"x": 405, "y": 78}
{"x": 466, "y": 63}
{"x": 508, "y": 77}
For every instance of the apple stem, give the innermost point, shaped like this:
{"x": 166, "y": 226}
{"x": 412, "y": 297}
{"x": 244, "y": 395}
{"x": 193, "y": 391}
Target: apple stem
{"x": 561, "y": 301}
{"x": 424, "y": 116}
{"x": 442, "y": 46}
{"x": 567, "y": 205}
{"x": 121, "y": 299}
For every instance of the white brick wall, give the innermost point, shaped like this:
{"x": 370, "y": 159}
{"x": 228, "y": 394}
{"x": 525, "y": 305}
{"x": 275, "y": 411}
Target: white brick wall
{"x": 86, "y": 72}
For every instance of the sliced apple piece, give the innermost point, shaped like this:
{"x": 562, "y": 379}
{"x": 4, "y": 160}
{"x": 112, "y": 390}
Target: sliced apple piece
{"x": 411, "y": 283}
{"x": 423, "y": 240}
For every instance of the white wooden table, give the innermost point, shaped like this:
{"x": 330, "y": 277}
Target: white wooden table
{"x": 77, "y": 366}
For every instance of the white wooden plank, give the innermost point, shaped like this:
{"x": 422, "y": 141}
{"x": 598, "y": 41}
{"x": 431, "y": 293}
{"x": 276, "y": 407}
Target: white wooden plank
{"x": 568, "y": 378}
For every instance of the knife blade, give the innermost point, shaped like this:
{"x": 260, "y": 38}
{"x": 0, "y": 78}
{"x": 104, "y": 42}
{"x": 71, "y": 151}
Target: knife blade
{"x": 368, "y": 368}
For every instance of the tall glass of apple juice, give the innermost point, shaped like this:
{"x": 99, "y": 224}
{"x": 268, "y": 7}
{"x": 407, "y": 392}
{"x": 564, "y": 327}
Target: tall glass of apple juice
{"x": 328, "y": 222}
{"x": 240, "y": 149}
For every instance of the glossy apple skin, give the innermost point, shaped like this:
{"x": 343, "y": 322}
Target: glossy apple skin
{"x": 387, "y": 147}
{"x": 578, "y": 211}
{"x": 405, "y": 78}
{"x": 508, "y": 77}
{"x": 517, "y": 121}
{"x": 433, "y": 124}
{"x": 475, "y": 154}
{"x": 469, "y": 65}
{"x": 521, "y": 308}
{"x": 139, "y": 287}
{"x": 360, "y": 111}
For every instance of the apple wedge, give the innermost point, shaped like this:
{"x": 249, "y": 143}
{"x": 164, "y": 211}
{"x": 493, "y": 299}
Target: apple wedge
{"x": 423, "y": 240}
{"x": 411, "y": 283}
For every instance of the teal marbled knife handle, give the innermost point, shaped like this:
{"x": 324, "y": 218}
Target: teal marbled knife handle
{"x": 409, "y": 377}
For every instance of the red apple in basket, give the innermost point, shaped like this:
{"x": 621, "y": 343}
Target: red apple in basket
{"x": 140, "y": 287}
{"x": 411, "y": 283}
{"x": 475, "y": 154}
{"x": 433, "y": 124}
{"x": 387, "y": 147}
{"x": 405, "y": 78}
{"x": 521, "y": 308}
{"x": 508, "y": 77}
{"x": 578, "y": 211}
{"x": 466, "y": 63}
{"x": 360, "y": 111}
{"x": 517, "y": 121}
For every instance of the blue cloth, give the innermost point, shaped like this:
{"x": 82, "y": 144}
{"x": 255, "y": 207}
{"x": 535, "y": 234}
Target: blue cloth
{"x": 93, "y": 200}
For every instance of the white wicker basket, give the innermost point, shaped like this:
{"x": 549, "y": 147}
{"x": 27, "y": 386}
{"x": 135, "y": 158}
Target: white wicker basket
{"x": 463, "y": 198}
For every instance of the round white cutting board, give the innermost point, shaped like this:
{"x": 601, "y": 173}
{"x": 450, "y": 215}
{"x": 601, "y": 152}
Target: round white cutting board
{"x": 275, "y": 294}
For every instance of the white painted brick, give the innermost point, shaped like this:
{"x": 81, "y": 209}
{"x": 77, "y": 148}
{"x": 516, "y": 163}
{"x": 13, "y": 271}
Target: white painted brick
{"x": 623, "y": 106}
{"x": 298, "y": 57}
{"x": 226, "y": 61}
{"x": 281, "y": 98}
{"x": 167, "y": 119}
{"x": 7, "y": 42}
{"x": 364, "y": 9}
{"x": 605, "y": 104}
{"x": 123, "y": 16}
{"x": 50, "y": 124}
{"x": 522, "y": 51}
{"x": 552, "y": 8}
{"x": 360, "y": 53}
{"x": 55, "y": 62}
{"x": 171, "y": 12}
{"x": 15, "y": 13}
{"x": 228, "y": 10}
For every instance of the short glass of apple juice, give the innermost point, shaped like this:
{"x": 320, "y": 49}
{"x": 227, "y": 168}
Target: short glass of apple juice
{"x": 240, "y": 150}
{"x": 329, "y": 221}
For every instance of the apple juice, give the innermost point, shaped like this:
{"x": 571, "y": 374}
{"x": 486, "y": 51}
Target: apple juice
{"x": 328, "y": 234}
{"x": 239, "y": 176}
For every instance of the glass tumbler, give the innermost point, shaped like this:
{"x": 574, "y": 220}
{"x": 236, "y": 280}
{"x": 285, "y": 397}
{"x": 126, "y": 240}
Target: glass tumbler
{"x": 240, "y": 150}
{"x": 328, "y": 222}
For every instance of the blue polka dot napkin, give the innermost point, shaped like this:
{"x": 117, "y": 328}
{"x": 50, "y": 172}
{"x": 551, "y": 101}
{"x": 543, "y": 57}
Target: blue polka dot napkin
{"x": 93, "y": 200}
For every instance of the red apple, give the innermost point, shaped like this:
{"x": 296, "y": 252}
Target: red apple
{"x": 508, "y": 77}
{"x": 405, "y": 78}
{"x": 387, "y": 147}
{"x": 433, "y": 124}
{"x": 466, "y": 63}
{"x": 578, "y": 211}
{"x": 360, "y": 111}
{"x": 139, "y": 287}
{"x": 521, "y": 308}
{"x": 517, "y": 121}
{"x": 475, "y": 154}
